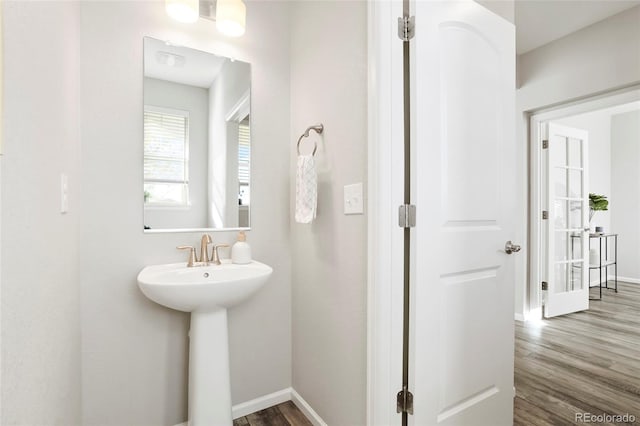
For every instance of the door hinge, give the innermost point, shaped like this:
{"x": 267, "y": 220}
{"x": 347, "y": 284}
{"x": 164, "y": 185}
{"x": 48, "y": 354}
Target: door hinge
{"x": 404, "y": 401}
{"x": 545, "y": 214}
{"x": 407, "y": 216}
{"x": 406, "y": 27}
{"x": 545, "y": 143}
{"x": 545, "y": 285}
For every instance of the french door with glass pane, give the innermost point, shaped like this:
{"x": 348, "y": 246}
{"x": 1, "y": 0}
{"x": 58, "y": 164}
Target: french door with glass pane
{"x": 567, "y": 223}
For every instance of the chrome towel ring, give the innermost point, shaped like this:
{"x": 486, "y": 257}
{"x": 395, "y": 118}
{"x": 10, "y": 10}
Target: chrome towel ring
{"x": 318, "y": 129}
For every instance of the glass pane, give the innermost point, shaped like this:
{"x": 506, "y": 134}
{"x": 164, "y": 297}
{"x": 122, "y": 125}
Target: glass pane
{"x": 568, "y": 277}
{"x": 575, "y": 152}
{"x": 561, "y": 144}
{"x": 575, "y": 276}
{"x": 575, "y": 184}
{"x": 164, "y": 147}
{"x": 568, "y": 246}
{"x": 560, "y": 182}
{"x": 165, "y": 135}
{"x": 170, "y": 170}
{"x": 562, "y": 246}
{"x": 165, "y": 193}
{"x": 561, "y": 278}
{"x": 244, "y": 195}
{"x": 575, "y": 214}
{"x": 575, "y": 246}
{"x": 244, "y": 152}
{"x": 560, "y": 215}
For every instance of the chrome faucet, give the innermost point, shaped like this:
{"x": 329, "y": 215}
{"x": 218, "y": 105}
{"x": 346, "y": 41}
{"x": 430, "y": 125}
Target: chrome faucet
{"x": 204, "y": 249}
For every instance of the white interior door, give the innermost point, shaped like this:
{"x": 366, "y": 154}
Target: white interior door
{"x": 465, "y": 192}
{"x": 567, "y": 228}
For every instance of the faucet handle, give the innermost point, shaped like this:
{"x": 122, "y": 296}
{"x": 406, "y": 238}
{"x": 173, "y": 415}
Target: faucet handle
{"x": 192, "y": 255}
{"x": 215, "y": 257}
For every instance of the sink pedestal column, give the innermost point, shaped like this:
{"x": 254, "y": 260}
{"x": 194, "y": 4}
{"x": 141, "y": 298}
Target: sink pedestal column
{"x": 209, "y": 383}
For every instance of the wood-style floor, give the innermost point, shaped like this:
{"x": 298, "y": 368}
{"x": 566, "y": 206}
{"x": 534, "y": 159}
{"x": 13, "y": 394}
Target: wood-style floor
{"x": 285, "y": 414}
{"x": 587, "y": 362}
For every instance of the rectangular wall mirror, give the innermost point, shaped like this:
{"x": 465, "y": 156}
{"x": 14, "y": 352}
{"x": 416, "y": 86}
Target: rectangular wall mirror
{"x": 197, "y": 140}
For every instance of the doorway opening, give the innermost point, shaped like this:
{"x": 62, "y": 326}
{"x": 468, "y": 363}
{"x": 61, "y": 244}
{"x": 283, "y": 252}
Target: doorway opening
{"x": 568, "y": 182}
{"x": 577, "y": 357}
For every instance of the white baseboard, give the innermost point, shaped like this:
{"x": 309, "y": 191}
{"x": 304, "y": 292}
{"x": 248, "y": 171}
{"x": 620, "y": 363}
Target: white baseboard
{"x": 306, "y": 409}
{"x": 275, "y": 398}
{"x": 260, "y": 403}
{"x": 519, "y": 317}
{"x": 613, "y": 277}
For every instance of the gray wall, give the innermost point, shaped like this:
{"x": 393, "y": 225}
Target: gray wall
{"x": 167, "y": 94}
{"x": 40, "y": 286}
{"x": 329, "y": 85}
{"x": 134, "y": 352}
{"x": 625, "y": 191}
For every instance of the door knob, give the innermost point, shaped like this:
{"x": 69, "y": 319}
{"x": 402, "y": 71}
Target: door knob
{"x": 509, "y": 247}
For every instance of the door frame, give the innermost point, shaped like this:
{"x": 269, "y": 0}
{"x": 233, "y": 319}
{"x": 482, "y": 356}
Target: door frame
{"x": 535, "y": 120}
{"x": 385, "y": 188}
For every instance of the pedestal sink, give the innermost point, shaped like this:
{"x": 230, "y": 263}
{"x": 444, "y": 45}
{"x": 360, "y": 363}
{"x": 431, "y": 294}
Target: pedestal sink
{"x": 206, "y": 292}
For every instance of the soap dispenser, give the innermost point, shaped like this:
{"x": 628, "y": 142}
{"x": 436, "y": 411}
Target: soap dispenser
{"x": 241, "y": 250}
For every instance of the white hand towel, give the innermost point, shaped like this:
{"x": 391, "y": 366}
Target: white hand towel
{"x": 306, "y": 189}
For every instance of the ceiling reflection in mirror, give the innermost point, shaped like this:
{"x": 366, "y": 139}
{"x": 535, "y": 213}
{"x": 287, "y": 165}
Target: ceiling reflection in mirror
{"x": 197, "y": 139}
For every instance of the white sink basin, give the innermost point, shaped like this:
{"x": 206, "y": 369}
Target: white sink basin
{"x": 202, "y": 287}
{"x": 206, "y": 292}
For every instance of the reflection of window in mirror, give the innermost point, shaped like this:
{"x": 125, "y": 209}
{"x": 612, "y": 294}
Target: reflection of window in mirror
{"x": 244, "y": 161}
{"x": 166, "y": 157}
{"x": 244, "y": 171}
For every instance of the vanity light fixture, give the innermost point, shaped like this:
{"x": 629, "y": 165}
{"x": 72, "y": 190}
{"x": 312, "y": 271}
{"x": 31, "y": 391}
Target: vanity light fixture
{"x": 230, "y": 15}
{"x": 187, "y": 11}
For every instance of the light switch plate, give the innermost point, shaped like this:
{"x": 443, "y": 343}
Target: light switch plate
{"x": 353, "y": 199}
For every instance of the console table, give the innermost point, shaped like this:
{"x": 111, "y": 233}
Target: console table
{"x": 606, "y": 258}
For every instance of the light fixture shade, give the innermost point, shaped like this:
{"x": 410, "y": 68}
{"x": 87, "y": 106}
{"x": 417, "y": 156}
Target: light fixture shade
{"x": 187, "y": 11}
{"x": 231, "y": 17}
